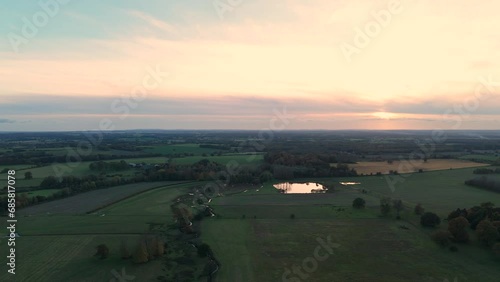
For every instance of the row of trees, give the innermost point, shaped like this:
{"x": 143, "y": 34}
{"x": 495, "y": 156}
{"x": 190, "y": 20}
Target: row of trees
{"x": 43, "y": 158}
{"x": 147, "y": 249}
{"x": 486, "y": 171}
{"x": 485, "y": 182}
{"x": 286, "y": 166}
{"x": 109, "y": 166}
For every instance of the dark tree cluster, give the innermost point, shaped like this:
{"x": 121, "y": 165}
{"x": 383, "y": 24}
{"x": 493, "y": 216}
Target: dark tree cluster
{"x": 486, "y": 171}
{"x": 485, "y": 182}
{"x": 286, "y": 166}
{"x": 109, "y": 166}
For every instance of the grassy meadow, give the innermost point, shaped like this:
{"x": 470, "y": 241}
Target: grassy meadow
{"x": 61, "y": 247}
{"x": 256, "y": 239}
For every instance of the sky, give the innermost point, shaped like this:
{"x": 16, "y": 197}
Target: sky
{"x": 240, "y": 64}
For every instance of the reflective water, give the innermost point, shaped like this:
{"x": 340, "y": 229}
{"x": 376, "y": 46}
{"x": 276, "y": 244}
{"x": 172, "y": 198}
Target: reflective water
{"x": 349, "y": 183}
{"x": 300, "y": 188}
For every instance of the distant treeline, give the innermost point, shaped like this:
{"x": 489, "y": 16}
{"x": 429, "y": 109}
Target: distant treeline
{"x": 43, "y": 158}
{"x": 224, "y": 147}
{"x": 485, "y": 182}
{"x": 486, "y": 171}
{"x": 109, "y": 166}
{"x": 289, "y": 166}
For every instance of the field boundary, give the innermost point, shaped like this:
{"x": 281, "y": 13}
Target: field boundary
{"x": 136, "y": 194}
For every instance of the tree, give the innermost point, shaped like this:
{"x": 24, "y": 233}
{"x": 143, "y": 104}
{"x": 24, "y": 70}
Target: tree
{"x": 160, "y": 247}
{"x": 358, "y": 203}
{"x": 102, "y": 251}
{"x": 496, "y": 249}
{"x": 430, "y": 219}
{"x": 265, "y": 176}
{"x": 125, "y": 254}
{"x": 49, "y": 182}
{"x": 487, "y": 233}
{"x": 204, "y": 250}
{"x": 385, "y": 206}
{"x": 442, "y": 237}
{"x": 458, "y": 228}
{"x": 141, "y": 254}
{"x": 419, "y": 210}
{"x": 28, "y": 175}
{"x": 398, "y": 206}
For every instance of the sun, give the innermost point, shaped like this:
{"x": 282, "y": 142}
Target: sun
{"x": 384, "y": 115}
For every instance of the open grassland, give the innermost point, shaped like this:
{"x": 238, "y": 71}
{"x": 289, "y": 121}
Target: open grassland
{"x": 235, "y": 251}
{"x": 439, "y": 191}
{"x": 15, "y": 167}
{"x": 85, "y": 202}
{"x": 409, "y": 167}
{"x": 340, "y": 198}
{"x": 368, "y": 250}
{"x": 61, "y": 247}
{"x": 43, "y": 192}
{"x": 70, "y": 258}
{"x": 371, "y": 248}
{"x": 135, "y": 215}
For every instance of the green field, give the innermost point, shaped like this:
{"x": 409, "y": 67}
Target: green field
{"x": 42, "y": 192}
{"x": 60, "y": 247}
{"x": 82, "y": 168}
{"x": 89, "y": 201}
{"x": 255, "y": 238}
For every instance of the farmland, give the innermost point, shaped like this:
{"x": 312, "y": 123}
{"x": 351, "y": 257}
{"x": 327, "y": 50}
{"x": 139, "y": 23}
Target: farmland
{"x": 92, "y": 200}
{"x": 71, "y": 250}
{"x": 409, "y": 167}
{"x": 275, "y": 242}
{"x": 256, "y": 233}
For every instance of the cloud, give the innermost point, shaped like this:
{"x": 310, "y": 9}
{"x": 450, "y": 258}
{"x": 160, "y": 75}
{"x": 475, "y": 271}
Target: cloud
{"x": 5, "y": 120}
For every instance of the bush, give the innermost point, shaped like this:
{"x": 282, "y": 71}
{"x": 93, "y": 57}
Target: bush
{"x": 430, "y": 219}
{"x": 496, "y": 249}
{"x": 358, "y": 203}
{"x": 458, "y": 228}
{"x": 453, "y": 249}
{"x": 442, "y": 237}
{"x": 419, "y": 210}
{"x": 125, "y": 254}
{"x": 102, "y": 251}
{"x": 487, "y": 233}
{"x": 292, "y": 216}
{"x": 141, "y": 254}
{"x": 385, "y": 206}
{"x": 203, "y": 250}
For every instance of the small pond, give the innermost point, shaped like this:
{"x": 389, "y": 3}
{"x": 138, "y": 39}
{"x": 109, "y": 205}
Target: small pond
{"x": 349, "y": 183}
{"x": 300, "y": 188}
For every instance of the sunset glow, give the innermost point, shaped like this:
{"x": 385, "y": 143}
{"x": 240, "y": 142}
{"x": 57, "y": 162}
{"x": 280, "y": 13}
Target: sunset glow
{"x": 422, "y": 63}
